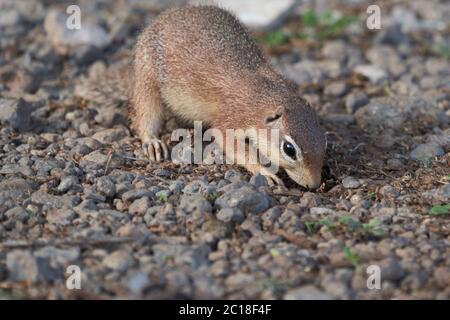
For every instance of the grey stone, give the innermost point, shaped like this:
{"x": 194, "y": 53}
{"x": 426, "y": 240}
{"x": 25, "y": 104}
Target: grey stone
{"x": 336, "y": 89}
{"x": 62, "y": 217}
{"x": 18, "y": 213}
{"x": 354, "y": 101}
{"x": 350, "y": 183}
{"x": 17, "y": 113}
{"x": 52, "y": 201}
{"x": 68, "y": 183}
{"x": 22, "y": 266}
{"x": 259, "y": 180}
{"x": 230, "y": 215}
{"x": 106, "y": 187}
{"x": 10, "y": 17}
{"x": 246, "y": 199}
{"x": 372, "y": 72}
{"x": 118, "y": 260}
{"x": 305, "y": 72}
{"x": 306, "y": 293}
{"x": 100, "y": 160}
{"x": 400, "y": 113}
{"x": 194, "y": 203}
{"x": 193, "y": 255}
{"x": 426, "y": 151}
{"x": 132, "y": 195}
{"x": 391, "y": 270}
{"x": 110, "y": 135}
{"x": 139, "y": 206}
{"x": 17, "y": 169}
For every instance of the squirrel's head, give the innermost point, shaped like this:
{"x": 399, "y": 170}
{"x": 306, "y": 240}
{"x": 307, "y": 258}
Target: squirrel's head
{"x": 301, "y": 145}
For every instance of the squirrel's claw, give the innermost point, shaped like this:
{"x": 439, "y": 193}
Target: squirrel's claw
{"x": 156, "y": 150}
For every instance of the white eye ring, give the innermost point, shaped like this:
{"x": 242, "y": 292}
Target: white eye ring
{"x": 298, "y": 152}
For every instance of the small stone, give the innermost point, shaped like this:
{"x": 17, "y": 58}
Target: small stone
{"x": 426, "y": 151}
{"x": 233, "y": 175}
{"x": 163, "y": 173}
{"x": 106, "y": 187}
{"x": 52, "y": 201}
{"x": 399, "y": 113}
{"x": 336, "y": 89}
{"x": 246, "y": 199}
{"x": 17, "y": 113}
{"x": 195, "y": 204}
{"x": 350, "y": 183}
{"x": 67, "y": 183}
{"x": 391, "y": 270}
{"x": 176, "y": 187}
{"x": 306, "y": 293}
{"x": 309, "y": 199}
{"x": 305, "y": 72}
{"x": 354, "y": 101}
{"x": 259, "y": 180}
{"x": 389, "y": 191}
{"x": 132, "y": 195}
{"x": 101, "y": 160}
{"x": 321, "y": 211}
{"x": 22, "y": 266}
{"x": 374, "y": 73}
{"x": 110, "y": 135}
{"x": 118, "y": 260}
{"x": 230, "y": 215}
{"x": 10, "y": 17}
{"x": 18, "y": 213}
{"x": 61, "y": 217}
{"x": 139, "y": 206}
{"x": 394, "y": 164}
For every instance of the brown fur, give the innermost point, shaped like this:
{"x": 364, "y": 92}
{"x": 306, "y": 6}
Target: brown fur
{"x": 200, "y": 63}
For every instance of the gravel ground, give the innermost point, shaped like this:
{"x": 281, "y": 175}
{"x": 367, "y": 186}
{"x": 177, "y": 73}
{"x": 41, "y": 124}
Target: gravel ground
{"x": 76, "y": 189}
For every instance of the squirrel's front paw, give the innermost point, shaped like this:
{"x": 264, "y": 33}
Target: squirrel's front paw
{"x": 156, "y": 150}
{"x": 274, "y": 180}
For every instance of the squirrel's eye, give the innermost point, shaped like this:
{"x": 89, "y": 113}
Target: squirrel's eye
{"x": 289, "y": 149}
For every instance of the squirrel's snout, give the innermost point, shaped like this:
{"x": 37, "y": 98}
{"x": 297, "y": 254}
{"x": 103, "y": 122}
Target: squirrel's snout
{"x": 308, "y": 180}
{"x": 313, "y": 185}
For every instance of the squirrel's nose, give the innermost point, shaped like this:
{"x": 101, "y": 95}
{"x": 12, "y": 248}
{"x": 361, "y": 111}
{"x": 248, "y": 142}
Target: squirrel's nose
{"x": 313, "y": 182}
{"x": 314, "y": 185}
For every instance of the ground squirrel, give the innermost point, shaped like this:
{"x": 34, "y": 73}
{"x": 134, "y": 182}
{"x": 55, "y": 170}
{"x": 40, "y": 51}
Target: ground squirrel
{"x": 201, "y": 64}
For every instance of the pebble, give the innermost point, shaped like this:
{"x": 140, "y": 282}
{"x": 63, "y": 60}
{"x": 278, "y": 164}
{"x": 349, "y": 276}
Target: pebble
{"x": 17, "y": 113}
{"x": 306, "y": 293}
{"x": 354, "y": 101}
{"x": 372, "y": 72}
{"x": 350, "y": 183}
{"x": 60, "y": 217}
{"x": 246, "y": 199}
{"x": 106, "y": 187}
{"x": 399, "y": 113}
{"x": 426, "y": 151}
{"x": 230, "y": 215}
{"x": 118, "y": 260}
{"x": 22, "y": 266}
{"x": 336, "y": 89}
{"x": 139, "y": 206}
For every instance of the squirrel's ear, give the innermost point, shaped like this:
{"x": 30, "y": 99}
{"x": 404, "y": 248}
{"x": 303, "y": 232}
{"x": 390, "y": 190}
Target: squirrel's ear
{"x": 274, "y": 116}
